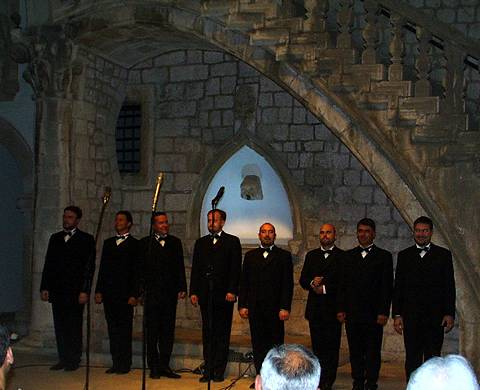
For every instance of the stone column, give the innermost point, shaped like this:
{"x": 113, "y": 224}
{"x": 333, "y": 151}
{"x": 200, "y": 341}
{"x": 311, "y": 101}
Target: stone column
{"x": 50, "y": 57}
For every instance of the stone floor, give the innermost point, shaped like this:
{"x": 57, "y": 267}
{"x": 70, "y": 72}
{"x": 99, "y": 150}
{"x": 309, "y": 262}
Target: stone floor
{"x": 31, "y": 373}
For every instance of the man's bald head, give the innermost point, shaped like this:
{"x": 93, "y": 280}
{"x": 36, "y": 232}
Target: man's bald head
{"x": 327, "y": 235}
{"x": 290, "y": 367}
{"x": 267, "y": 234}
{"x": 266, "y": 225}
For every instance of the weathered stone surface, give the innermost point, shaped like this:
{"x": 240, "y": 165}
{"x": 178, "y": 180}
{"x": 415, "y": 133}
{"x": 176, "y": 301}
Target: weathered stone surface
{"x": 189, "y": 72}
{"x": 333, "y": 184}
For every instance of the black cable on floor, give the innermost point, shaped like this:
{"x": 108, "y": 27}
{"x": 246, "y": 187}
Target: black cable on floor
{"x": 234, "y": 381}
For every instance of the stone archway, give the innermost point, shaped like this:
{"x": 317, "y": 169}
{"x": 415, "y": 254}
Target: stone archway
{"x": 20, "y": 151}
{"x": 360, "y": 134}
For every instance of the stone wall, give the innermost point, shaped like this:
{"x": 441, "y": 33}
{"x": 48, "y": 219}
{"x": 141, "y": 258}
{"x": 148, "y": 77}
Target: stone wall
{"x": 462, "y": 14}
{"x": 200, "y": 107}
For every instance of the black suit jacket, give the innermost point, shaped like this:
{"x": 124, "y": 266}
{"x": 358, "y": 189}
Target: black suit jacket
{"x": 163, "y": 269}
{"x": 266, "y": 284}
{"x": 366, "y": 285}
{"x": 69, "y": 267}
{"x": 223, "y": 260}
{"x": 119, "y": 267}
{"x": 424, "y": 287}
{"x": 322, "y": 307}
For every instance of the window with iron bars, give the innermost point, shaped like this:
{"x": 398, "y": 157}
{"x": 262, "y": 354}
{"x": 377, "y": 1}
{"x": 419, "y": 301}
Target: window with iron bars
{"x": 128, "y": 138}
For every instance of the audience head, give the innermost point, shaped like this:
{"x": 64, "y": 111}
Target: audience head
{"x": 6, "y": 354}
{"x": 444, "y": 373}
{"x": 289, "y": 367}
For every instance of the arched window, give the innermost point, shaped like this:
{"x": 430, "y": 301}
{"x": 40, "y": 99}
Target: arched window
{"x": 254, "y": 194}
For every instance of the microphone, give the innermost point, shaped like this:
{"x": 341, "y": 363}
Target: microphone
{"x": 157, "y": 191}
{"x": 217, "y": 198}
{"x": 106, "y": 195}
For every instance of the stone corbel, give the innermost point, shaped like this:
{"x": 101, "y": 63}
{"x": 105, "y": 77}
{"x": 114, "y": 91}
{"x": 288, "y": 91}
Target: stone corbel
{"x": 51, "y": 57}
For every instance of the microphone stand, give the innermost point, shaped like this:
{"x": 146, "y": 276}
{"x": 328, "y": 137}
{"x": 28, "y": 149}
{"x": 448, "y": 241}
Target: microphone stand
{"x": 210, "y": 311}
{"x": 149, "y": 255}
{"x": 106, "y": 198}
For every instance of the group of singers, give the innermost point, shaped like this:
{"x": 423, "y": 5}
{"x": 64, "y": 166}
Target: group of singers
{"x": 354, "y": 287}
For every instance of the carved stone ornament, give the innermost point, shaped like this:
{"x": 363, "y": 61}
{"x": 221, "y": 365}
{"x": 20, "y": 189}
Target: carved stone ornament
{"x": 50, "y": 53}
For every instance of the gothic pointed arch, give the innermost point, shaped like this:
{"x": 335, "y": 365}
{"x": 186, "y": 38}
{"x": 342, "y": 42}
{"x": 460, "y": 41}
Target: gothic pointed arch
{"x": 17, "y": 265}
{"x": 242, "y": 140}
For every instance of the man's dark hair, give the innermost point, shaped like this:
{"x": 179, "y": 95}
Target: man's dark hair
{"x": 4, "y": 343}
{"x": 367, "y": 222}
{"x": 158, "y": 214}
{"x": 74, "y": 209}
{"x": 127, "y": 215}
{"x": 222, "y": 213}
{"x": 424, "y": 220}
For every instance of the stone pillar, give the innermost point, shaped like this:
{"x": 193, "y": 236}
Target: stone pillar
{"x": 51, "y": 70}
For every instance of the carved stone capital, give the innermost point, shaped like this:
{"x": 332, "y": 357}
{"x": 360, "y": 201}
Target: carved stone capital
{"x": 50, "y": 54}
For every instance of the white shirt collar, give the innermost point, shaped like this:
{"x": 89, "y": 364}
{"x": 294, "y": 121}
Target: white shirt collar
{"x": 366, "y": 247}
{"x": 423, "y": 247}
{"x": 327, "y": 249}
{"x": 267, "y": 247}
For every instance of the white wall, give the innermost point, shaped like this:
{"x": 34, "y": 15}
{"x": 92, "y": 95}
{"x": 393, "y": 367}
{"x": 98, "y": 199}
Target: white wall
{"x": 244, "y": 217}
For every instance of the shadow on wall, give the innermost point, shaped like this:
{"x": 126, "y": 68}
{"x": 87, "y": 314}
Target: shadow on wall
{"x": 11, "y": 244}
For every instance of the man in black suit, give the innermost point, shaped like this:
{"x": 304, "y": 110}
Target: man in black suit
{"x": 364, "y": 299}
{"x": 118, "y": 290}
{"x": 424, "y": 296}
{"x": 216, "y": 267}
{"x": 266, "y": 291}
{"x": 319, "y": 277}
{"x": 66, "y": 283}
{"x": 164, "y": 284}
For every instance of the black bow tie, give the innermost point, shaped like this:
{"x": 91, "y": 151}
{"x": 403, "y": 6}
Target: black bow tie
{"x": 424, "y": 249}
{"x": 365, "y": 249}
{"x": 328, "y": 251}
{"x": 160, "y": 238}
{"x": 214, "y": 236}
{"x": 267, "y": 249}
{"x": 67, "y": 234}
{"x": 122, "y": 237}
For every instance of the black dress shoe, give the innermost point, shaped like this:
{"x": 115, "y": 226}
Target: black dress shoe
{"x": 218, "y": 378}
{"x": 111, "y": 370}
{"x": 57, "y": 367}
{"x": 155, "y": 375}
{"x": 71, "y": 367}
{"x": 169, "y": 373}
{"x": 252, "y": 386}
{"x": 203, "y": 379}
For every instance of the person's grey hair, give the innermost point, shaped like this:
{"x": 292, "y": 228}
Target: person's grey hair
{"x": 449, "y": 372}
{"x": 290, "y": 367}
